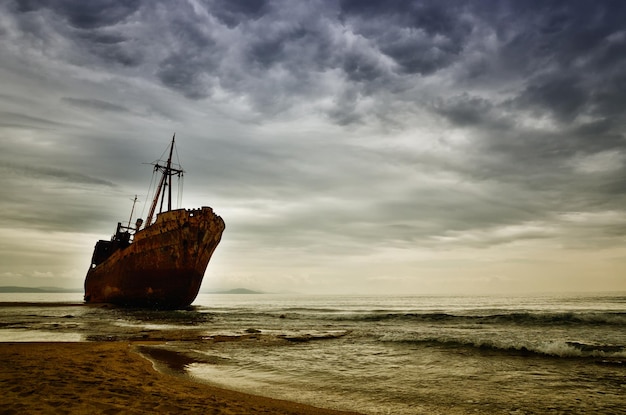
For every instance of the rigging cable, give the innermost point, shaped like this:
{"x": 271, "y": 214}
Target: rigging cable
{"x": 150, "y": 190}
{"x": 181, "y": 182}
{"x": 181, "y": 177}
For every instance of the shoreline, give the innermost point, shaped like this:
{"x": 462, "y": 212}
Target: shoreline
{"x": 115, "y": 377}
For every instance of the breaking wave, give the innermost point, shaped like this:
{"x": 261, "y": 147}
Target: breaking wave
{"x": 518, "y": 318}
{"x": 562, "y": 349}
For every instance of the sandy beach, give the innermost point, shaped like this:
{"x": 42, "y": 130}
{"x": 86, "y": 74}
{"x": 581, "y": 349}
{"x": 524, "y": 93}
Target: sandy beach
{"x": 112, "y": 378}
{"x": 395, "y": 355}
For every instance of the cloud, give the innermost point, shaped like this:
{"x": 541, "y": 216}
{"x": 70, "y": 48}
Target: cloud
{"x": 335, "y": 131}
{"x": 53, "y": 174}
{"x": 232, "y": 13}
{"x": 419, "y": 37}
{"x": 84, "y": 15}
{"x": 96, "y": 104}
{"x": 17, "y": 120}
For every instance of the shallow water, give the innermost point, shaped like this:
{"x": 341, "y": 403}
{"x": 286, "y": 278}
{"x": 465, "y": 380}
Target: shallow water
{"x": 400, "y": 355}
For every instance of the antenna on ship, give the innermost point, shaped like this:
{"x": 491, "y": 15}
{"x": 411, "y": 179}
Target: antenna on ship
{"x": 165, "y": 183}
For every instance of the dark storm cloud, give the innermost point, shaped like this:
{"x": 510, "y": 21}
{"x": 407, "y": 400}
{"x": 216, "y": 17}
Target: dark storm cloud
{"x": 562, "y": 58}
{"x": 84, "y": 14}
{"x": 110, "y": 48}
{"x": 564, "y": 97}
{"x": 420, "y": 36}
{"x": 465, "y": 110}
{"x": 194, "y": 55}
{"x": 273, "y": 52}
{"x": 572, "y": 57}
{"x": 234, "y": 12}
{"x": 89, "y": 30}
{"x": 325, "y": 125}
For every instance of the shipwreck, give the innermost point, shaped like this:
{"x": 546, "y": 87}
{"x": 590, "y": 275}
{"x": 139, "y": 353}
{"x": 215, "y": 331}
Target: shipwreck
{"x": 159, "y": 265}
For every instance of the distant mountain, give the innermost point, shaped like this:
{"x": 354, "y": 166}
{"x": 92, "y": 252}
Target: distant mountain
{"x": 237, "y": 291}
{"x": 14, "y": 289}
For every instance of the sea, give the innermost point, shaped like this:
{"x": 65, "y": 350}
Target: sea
{"x": 547, "y": 354}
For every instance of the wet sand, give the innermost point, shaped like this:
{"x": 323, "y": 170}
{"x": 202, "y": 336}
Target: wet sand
{"x": 112, "y": 378}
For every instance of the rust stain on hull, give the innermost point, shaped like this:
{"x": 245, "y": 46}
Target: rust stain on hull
{"x": 164, "y": 265}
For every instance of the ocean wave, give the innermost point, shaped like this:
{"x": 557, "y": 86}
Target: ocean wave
{"x": 518, "y": 318}
{"x": 561, "y": 349}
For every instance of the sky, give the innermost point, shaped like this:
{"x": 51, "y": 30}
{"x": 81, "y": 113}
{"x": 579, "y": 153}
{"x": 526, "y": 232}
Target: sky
{"x": 351, "y": 147}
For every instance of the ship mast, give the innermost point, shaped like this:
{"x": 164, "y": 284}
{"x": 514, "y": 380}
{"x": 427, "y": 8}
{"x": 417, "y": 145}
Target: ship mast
{"x": 132, "y": 211}
{"x": 164, "y": 184}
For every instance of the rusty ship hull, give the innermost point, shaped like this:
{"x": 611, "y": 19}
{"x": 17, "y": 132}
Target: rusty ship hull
{"x": 164, "y": 265}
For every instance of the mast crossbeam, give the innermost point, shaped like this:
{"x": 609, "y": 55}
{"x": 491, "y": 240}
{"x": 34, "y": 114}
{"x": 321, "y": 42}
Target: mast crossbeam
{"x": 165, "y": 184}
